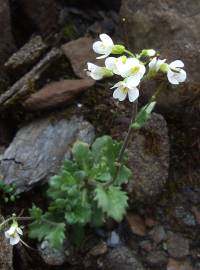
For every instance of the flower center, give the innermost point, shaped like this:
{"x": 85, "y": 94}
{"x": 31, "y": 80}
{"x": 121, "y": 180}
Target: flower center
{"x": 135, "y": 69}
{"x": 124, "y": 89}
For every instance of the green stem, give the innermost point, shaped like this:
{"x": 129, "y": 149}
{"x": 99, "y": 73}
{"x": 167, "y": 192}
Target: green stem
{"x": 129, "y": 53}
{"x": 15, "y": 218}
{"x": 124, "y": 146}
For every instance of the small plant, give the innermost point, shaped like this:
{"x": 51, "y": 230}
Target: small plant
{"x": 7, "y": 192}
{"x": 88, "y": 188}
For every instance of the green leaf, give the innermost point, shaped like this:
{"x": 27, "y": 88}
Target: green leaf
{"x": 48, "y": 230}
{"x": 80, "y": 214}
{"x": 82, "y": 155}
{"x": 123, "y": 176}
{"x": 143, "y": 115}
{"x": 105, "y": 147}
{"x": 70, "y": 166}
{"x": 112, "y": 200}
{"x": 56, "y": 236}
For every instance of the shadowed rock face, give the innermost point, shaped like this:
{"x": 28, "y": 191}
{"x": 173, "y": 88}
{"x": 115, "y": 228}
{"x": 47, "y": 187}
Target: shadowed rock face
{"x": 173, "y": 28}
{"x": 42, "y": 13}
{"x": 39, "y": 149}
{"x": 6, "y": 252}
{"x": 149, "y": 159}
{"x": 6, "y": 39}
{"x": 121, "y": 258}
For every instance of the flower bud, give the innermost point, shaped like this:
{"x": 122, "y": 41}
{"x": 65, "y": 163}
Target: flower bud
{"x": 118, "y": 49}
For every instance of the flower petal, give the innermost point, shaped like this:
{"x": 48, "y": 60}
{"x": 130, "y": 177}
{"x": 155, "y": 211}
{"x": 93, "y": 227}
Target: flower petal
{"x": 95, "y": 76}
{"x": 182, "y": 75}
{"x": 132, "y": 81}
{"x": 133, "y": 94}
{"x": 116, "y": 85}
{"x": 7, "y": 235}
{"x": 120, "y": 95}
{"x": 171, "y": 77}
{"x": 176, "y": 63}
{"x": 106, "y": 39}
{"x": 98, "y": 47}
{"x": 14, "y": 240}
{"x": 151, "y": 52}
{"x": 152, "y": 64}
{"x": 19, "y": 231}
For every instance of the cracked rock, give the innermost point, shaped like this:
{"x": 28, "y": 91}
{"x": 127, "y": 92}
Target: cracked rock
{"x": 39, "y": 149}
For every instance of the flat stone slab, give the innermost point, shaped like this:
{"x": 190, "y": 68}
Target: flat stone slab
{"x": 56, "y": 94}
{"x": 39, "y": 149}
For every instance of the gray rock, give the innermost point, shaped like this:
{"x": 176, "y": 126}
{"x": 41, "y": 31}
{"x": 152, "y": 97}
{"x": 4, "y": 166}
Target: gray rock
{"x": 149, "y": 159}
{"x": 157, "y": 258}
{"x": 184, "y": 217}
{"x": 50, "y": 255}
{"x": 158, "y": 234}
{"x": 177, "y": 246}
{"x": 28, "y": 55}
{"x": 38, "y": 150}
{"x": 6, "y": 251}
{"x": 173, "y": 29}
{"x": 7, "y": 45}
{"x": 113, "y": 240}
{"x": 25, "y": 85}
{"x": 121, "y": 258}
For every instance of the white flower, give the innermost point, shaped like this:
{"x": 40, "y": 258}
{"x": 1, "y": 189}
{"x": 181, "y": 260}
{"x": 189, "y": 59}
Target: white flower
{"x": 175, "y": 73}
{"x": 124, "y": 88}
{"x": 98, "y": 73}
{"x": 104, "y": 46}
{"x": 131, "y": 67}
{"x": 155, "y": 64}
{"x": 13, "y": 234}
{"x": 111, "y": 63}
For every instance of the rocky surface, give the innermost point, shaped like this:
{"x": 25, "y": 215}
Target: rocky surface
{"x": 7, "y": 45}
{"x": 149, "y": 159}
{"x": 56, "y": 94}
{"x": 79, "y": 52}
{"x": 6, "y": 252}
{"x": 121, "y": 258}
{"x": 52, "y": 256}
{"x": 25, "y": 85}
{"x": 28, "y": 55}
{"x": 179, "y": 265}
{"x": 136, "y": 224}
{"x": 38, "y": 150}
{"x": 158, "y": 234}
{"x": 157, "y": 258}
{"x": 42, "y": 13}
{"x": 174, "y": 30}
{"x": 177, "y": 246}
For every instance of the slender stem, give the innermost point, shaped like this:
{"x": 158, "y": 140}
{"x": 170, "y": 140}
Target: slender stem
{"x": 125, "y": 144}
{"x": 129, "y": 53}
{"x": 15, "y": 218}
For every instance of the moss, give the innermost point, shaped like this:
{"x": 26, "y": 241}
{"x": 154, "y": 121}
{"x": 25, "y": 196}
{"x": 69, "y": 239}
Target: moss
{"x": 69, "y": 31}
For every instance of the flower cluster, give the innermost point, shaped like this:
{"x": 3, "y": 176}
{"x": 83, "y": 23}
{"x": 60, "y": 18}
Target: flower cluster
{"x": 132, "y": 68}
